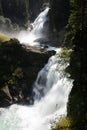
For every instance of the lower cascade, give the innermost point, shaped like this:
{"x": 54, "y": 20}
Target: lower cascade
{"x": 50, "y": 90}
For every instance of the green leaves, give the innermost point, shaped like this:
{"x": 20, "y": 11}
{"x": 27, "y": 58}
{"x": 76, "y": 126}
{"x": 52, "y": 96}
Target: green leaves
{"x": 78, "y": 17}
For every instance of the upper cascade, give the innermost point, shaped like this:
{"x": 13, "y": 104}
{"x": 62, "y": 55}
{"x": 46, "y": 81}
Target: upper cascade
{"x": 39, "y": 21}
{"x": 35, "y": 31}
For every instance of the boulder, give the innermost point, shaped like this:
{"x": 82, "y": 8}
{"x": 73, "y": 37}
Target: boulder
{"x": 5, "y": 97}
{"x": 19, "y": 66}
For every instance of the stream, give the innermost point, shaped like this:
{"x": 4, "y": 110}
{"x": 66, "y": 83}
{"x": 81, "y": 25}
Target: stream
{"x": 51, "y": 89}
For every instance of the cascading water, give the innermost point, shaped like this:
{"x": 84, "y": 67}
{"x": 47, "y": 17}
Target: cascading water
{"x": 28, "y": 37}
{"x": 51, "y": 90}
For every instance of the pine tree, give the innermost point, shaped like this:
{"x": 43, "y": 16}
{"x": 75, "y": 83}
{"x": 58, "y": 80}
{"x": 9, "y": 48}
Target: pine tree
{"x": 78, "y": 18}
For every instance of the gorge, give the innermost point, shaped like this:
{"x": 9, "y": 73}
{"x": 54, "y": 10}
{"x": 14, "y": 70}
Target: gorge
{"x": 43, "y": 73}
{"x": 51, "y": 83}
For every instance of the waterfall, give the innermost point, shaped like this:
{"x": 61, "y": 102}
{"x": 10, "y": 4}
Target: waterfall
{"x": 35, "y": 30}
{"x": 51, "y": 90}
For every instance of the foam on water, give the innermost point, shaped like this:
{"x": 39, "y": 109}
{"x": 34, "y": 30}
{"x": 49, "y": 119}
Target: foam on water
{"x": 28, "y": 37}
{"x": 51, "y": 90}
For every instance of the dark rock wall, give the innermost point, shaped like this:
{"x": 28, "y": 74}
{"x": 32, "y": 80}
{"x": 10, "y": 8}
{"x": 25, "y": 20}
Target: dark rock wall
{"x": 77, "y": 105}
{"x": 18, "y": 70}
{"x": 35, "y": 8}
{"x": 17, "y": 10}
{"x": 59, "y": 14}
{"x": 0, "y": 8}
{"x": 21, "y": 11}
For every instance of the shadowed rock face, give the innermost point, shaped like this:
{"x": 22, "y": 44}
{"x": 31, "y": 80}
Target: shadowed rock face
{"x": 21, "y": 11}
{"x": 19, "y": 66}
{"x": 58, "y": 17}
{"x": 59, "y": 14}
{"x": 17, "y": 10}
{"x": 77, "y": 105}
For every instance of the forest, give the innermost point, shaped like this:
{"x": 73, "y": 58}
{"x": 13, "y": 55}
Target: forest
{"x": 65, "y": 28}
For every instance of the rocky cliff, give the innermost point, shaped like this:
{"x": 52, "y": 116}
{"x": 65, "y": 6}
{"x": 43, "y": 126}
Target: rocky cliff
{"x": 19, "y": 67}
{"x": 59, "y": 14}
{"x": 21, "y": 11}
{"x": 77, "y": 107}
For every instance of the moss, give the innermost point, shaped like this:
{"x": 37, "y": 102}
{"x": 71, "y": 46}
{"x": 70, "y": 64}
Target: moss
{"x": 19, "y": 68}
{"x": 4, "y": 38}
{"x": 65, "y": 55}
{"x": 69, "y": 123}
{"x": 18, "y": 73}
{"x": 63, "y": 124}
{"x": 77, "y": 104}
{"x": 66, "y": 52}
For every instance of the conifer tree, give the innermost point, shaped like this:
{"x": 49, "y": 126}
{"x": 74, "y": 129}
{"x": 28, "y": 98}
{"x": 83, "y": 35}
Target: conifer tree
{"x": 78, "y": 18}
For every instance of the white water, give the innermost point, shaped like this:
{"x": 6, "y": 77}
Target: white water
{"x": 51, "y": 89}
{"x": 28, "y": 37}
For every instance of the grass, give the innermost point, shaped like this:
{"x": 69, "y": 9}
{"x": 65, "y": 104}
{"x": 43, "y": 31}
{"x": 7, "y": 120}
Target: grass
{"x": 4, "y": 38}
{"x": 63, "y": 124}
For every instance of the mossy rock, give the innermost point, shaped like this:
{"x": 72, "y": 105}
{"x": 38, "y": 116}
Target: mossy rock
{"x": 19, "y": 67}
{"x": 4, "y": 38}
{"x": 63, "y": 124}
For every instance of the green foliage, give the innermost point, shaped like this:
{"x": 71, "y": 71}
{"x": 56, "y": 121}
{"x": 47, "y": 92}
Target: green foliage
{"x": 63, "y": 124}
{"x": 18, "y": 73}
{"x": 64, "y": 58}
{"x": 15, "y": 76}
{"x": 65, "y": 54}
{"x": 77, "y": 20}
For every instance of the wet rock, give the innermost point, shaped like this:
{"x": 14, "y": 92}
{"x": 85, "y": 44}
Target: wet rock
{"x": 77, "y": 108}
{"x": 5, "y": 97}
{"x": 19, "y": 66}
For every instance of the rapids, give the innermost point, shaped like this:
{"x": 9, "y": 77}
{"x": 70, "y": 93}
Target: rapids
{"x": 51, "y": 90}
